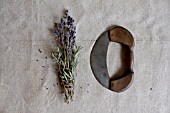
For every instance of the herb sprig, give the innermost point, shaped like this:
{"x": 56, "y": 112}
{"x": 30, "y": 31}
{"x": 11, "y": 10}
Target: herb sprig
{"x": 65, "y": 53}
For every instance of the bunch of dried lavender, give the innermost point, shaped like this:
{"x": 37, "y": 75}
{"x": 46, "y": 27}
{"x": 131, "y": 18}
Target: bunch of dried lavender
{"x": 65, "y": 53}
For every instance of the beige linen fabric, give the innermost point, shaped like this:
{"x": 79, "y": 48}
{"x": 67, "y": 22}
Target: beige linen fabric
{"x": 28, "y": 80}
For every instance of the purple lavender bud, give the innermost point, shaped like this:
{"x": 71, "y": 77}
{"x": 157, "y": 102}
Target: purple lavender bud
{"x": 71, "y": 24}
{"x": 59, "y": 26}
{"x": 74, "y": 37}
{"x": 58, "y": 45}
{"x": 71, "y": 20}
{"x": 73, "y": 42}
{"x": 68, "y": 17}
{"x": 66, "y": 12}
{"x": 56, "y": 34}
{"x": 68, "y": 23}
{"x": 70, "y": 38}
{"x": 72, "y": 46}
{"x": 63, "y": 21}
{"x": 71, "y": 27}
{"x": 62, "y": 34}
{"x": 71, "y": 33}
{"x": 66, "y": 44}
{"x": 56, "y": 24}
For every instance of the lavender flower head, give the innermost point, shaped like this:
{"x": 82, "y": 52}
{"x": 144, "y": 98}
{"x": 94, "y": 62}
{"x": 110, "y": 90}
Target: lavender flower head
{"x": 65, "y": 33}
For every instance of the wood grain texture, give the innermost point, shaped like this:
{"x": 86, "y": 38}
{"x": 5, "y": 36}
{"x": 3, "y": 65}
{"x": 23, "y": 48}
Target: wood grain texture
{"x": 124, "y": 37}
